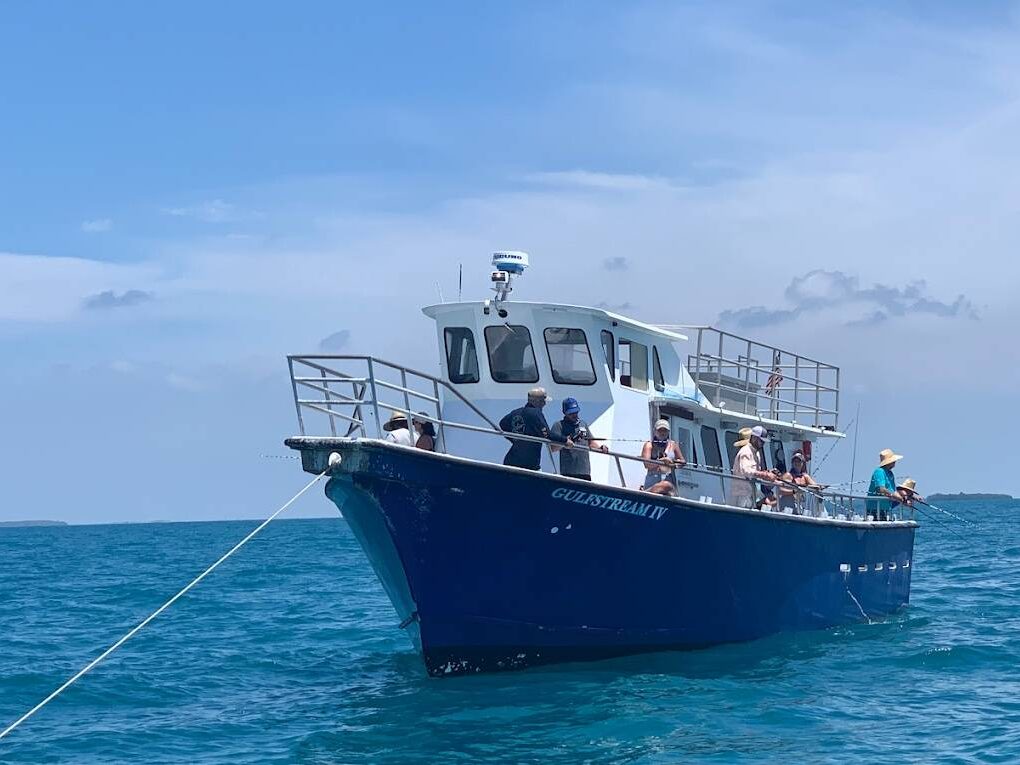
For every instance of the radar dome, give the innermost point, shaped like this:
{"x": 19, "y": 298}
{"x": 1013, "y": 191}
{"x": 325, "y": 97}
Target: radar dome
{"x": 511, "y": 261}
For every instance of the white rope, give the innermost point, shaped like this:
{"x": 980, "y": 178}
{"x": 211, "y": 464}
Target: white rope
{"x": 88, "y": 667}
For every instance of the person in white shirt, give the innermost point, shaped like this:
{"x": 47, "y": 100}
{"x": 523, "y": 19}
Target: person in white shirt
{"x": 397, "y": 431}
{"x": 748, "y": 465}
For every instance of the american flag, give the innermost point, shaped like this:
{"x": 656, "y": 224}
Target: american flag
{"x": 776, "y": 378}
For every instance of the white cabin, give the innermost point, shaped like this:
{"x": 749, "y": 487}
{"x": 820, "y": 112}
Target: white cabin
{"x": 626, "y": 374}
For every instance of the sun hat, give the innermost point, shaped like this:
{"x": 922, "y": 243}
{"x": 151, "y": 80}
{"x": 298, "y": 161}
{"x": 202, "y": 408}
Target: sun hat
{"x": 661, "y": 425}
{"x": 910, "y": 485}
{"x": 570, "y": 405}
{"x": 396, "y": 420}
{"x": 745, "y": 437}
{"x": 760, "y": 432}
{"x": 887, "y": 457}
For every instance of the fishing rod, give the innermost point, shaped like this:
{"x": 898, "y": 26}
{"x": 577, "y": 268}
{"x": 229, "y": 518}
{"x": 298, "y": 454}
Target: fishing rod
{"x": 943, "y": 524}
{"x": 835, "y": 443}
{"x": 939, "y": 509}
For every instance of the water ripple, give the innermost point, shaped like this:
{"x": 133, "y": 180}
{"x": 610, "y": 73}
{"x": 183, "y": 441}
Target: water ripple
{"x": 290, "y": 653}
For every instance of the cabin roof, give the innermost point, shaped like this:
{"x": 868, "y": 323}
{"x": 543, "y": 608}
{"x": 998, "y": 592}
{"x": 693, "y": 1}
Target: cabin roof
{"x": 438, "y": 309}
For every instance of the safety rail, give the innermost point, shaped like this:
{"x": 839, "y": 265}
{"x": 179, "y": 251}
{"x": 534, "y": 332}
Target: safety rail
{"x": 320, "y": 373}
{"x": 363, "y": 394}
{"x": 740, "y": 374}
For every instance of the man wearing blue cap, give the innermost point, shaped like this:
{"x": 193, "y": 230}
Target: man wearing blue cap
{"x": 574, "y": 462}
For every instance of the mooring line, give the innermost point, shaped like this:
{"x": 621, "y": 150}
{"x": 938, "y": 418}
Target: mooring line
{"x": 88, "y": 667}
{"x": 858, "y": 604}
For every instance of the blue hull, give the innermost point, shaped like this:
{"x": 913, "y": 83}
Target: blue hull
{"x": 494, "y": 568}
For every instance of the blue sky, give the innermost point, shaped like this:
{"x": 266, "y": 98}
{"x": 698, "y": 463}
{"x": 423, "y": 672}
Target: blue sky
{"x": 189, "y": 191}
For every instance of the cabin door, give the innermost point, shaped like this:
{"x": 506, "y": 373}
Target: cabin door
{"x": 710, "y": 457}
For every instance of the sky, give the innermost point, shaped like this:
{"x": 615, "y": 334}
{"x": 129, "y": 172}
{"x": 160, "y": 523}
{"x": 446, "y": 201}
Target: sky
{"x": 190, "y": 191}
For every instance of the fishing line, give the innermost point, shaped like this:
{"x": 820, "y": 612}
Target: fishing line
{"x": 951, "y": 515}
{"x": 88, "y": 667}
{"x": 944, "y": 525}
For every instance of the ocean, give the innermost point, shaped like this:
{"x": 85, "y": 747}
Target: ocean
{"x": 290, "y": 652}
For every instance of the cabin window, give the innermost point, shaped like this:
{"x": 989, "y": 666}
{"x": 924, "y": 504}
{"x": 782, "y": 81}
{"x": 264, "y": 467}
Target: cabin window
{"x": 778, "y": 455}
{"x": 609, "y": 351}
{"x": 461, "y": 357}
{"x": 511, "y": 356}
{"x": 731, "y": 437}
{"x": 569, "y": 356}
{"x": 633, "y": 365}
{"x": 657, "y": 378}
{"x": 683, "y": 440}
{"x": 710, "y": 443}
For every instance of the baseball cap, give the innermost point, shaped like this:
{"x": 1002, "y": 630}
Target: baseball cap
{"x": 661, "y": 425}
{"x": 760, "y": 432}
{"x": 570, "y": 405}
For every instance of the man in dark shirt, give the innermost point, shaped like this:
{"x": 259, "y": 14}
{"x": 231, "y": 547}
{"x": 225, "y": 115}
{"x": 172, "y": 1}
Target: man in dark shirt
{"x": 528, "y": 420}
{"x": 575, "y": 462}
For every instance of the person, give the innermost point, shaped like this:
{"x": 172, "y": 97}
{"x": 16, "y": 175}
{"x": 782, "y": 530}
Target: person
{"x": 396, "y": 430}
{"x": 908, "y": 492}
{"x": 426, "y": 434}
{"x": 748, "y": 465}
{"x": 575, "y": 462}
{"x": 528, "y": 420}
{"x": 797, "y": 475}
{"x": 883, "y": 485}
{"x": 662, "y": 456}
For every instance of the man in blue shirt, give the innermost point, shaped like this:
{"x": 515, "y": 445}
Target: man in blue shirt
{"x": 883, "y": 484}
{"x": 576, "y": 462}
{"x": 528, "y": 420}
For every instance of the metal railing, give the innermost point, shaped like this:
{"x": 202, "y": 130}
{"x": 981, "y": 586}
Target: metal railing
{"x": 354, "y": 399}
{"x": 739, "y": 374}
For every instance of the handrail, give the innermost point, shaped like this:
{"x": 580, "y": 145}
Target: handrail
{"x": 741, "y": 338}
{"x": 366, "y": 393}
{"x": 762, "y": 378}
{"x": 309, "y": 360}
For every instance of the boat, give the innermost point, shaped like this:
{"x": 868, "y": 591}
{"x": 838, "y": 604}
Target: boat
{"x": 493, "y": 567}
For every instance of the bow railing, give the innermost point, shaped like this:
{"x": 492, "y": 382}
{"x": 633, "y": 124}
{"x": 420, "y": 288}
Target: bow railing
{"x": 348, "y": 396}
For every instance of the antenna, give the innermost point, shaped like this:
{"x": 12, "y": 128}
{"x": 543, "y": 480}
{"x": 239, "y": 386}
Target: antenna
{"x": 460, "y": 284}
{"x": 440, "y": 291}
{"x": 853, "y": 460}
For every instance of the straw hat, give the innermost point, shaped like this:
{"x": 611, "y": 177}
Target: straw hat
{"x": 887, "y": 457}
{"x": 745, "y": 437}
{"x": 910, "y": 485}
{"x": 396, "y": 420}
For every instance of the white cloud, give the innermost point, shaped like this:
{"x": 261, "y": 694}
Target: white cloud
{"x": 212, "y": 211}
{"x": 97, "y": 226}
{"x": 598, "y": 181}
{"x": 45, "y": 289}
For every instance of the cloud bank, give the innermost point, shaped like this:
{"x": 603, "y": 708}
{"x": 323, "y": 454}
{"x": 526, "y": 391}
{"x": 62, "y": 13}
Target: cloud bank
{"x": 829, "y": 292}
{"x": 109, "y": 299}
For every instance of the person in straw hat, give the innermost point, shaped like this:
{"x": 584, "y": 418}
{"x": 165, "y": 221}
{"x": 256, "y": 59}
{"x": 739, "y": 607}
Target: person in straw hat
{"x": 749, "y": 465}
{"x": 883, "y": 485}
{"x": 397, "y": 431}
{"x": 908, "y": 490}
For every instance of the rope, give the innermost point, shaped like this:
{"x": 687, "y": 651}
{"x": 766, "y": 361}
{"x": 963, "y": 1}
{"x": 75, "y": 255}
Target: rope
{"x": 88, "y": 667}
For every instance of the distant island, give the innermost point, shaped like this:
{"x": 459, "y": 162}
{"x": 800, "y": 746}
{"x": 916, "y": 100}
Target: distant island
{"x": 26, "y": 524}
{"x": 962, "y": 495}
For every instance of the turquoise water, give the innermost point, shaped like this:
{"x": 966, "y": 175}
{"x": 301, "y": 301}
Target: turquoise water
{"x": 290, "y": 653}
